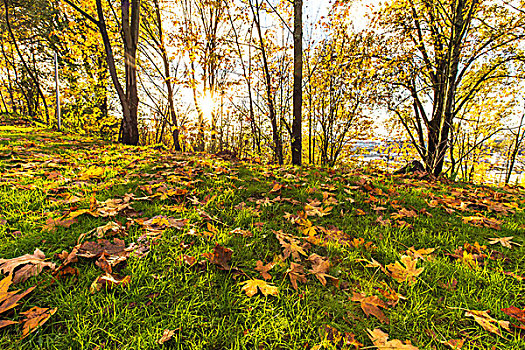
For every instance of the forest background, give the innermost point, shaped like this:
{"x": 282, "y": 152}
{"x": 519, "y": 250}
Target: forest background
{"x": 324, "y": 83}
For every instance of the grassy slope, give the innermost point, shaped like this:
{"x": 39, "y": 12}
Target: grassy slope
{"x": 205, "y": 305}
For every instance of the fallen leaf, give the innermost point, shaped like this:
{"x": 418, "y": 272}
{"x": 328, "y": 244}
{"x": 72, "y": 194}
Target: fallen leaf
{"x": 93, "y": 172}
{"x": 504, "y": 241}
{"x": 10, "y": 300}
{"x": 408, "y": 272}
{"x": 320, "y": 267}
{"x": 221, "y": 256}
{"x": 392, "y": 296}
{"x": 51, "y": 224}
{"x": 241, "y": 232}
{"x": 487, "y": 322}
{"x": 34, "y": 318}
{"x": 291, "y": 246}
{"x": 109, "y": 281}
{"x": 423, "y": 254}
{"x": 5, "y": 323}
{"x": 25, "y": 266}
{"x": 296, "y": 274}
{"x": 250, "y": 288}
{"x": 371, "y": 306}
{"x": 455, "y": 344}
{"x": 380, "y": 340}
{"x": 166, "y": 335}
{"x": 482, "y": 221}
{"x": 276, "y": 188}
{"x": 517, "y": 314}
{"x": 263, "y": 269}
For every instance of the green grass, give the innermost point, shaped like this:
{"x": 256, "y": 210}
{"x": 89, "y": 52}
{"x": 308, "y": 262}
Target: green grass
{"x": 205, "y": 305}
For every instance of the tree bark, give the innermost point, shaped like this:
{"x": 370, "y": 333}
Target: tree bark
{"x": 297, "y": 135}
{"x": 278, "y": 147}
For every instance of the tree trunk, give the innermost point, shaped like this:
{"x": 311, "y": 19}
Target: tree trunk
{"x": 297, "y": 136}
{"x": 169, "y": 86}
{"x": 31, "y": 75}
{"x": 278, "y": 147}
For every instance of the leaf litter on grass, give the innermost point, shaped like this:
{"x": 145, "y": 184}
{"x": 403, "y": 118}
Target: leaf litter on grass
{"x": 317, "y": 246}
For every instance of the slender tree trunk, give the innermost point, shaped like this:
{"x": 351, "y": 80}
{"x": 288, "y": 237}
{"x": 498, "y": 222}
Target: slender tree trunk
{"x": 128, "y": 133}
{"x": 515, "y": 149}
{"x": 278, "y": 147}
{"x": 167, "y": 76}
{"x": 297, "y": 135}
{"x": 31, "y": 75}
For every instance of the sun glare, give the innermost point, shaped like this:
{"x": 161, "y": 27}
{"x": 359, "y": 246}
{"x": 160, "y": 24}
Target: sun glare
{"x": 207, "y": 104}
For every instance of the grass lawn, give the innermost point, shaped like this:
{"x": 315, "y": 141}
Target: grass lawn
{"x": 350, "y": 241}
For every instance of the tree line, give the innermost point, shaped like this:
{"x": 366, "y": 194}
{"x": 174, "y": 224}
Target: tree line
{"x": 260, "y": 78}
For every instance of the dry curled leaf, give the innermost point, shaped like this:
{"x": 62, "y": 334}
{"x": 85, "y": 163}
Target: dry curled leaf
{"x": 487, "y": 322}
{"x": 504, "y": 241}
{"x": 320, "y": 267}
{"x": 250, "y": 288}
{"x": 109, "y": 281}
{"x": 25, "y": 266}
{"x": 296, "y": 274}
{"x": 166, "y": 336}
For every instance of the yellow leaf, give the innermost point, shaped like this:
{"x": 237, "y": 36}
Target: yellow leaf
{"x": 250, "y": 288}
{"x": 408, "y": 272}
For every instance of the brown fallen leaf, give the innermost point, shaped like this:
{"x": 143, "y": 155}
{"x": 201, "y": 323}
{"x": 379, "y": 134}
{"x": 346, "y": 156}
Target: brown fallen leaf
{"x": 487, "y": 322}
{"x": 296, "y": 274}
{"x": 25, "y": 266}
{"x": 221, "y": 256}
{"x": 454, "y": 344}
{"x": 517, "y": 314}
{"x": 263, "y": 269}
{"x": 320, "y": 267}
{"x": 5, "y": 323}
{"x": 9, "y": 300}
{"x": 371, "y": 306}
{"x": 241, "y": 232}
{"x": 423, "y": 254}
{"x": 380, "y": 340}
{"x": 109, "y": 281}
{"x": 250, "y": 288}
{"x": 34, "y": 318}
{"x": 104, "y": 264}
{"x": 482, "y": 221}
{"x": 93, "y": 249}
{"x": 291, "y": 246}
{"x": 166, "y": 336}
{"x": 392, "y": 296}
{"x": 504, "y": 241}
{"x": 408, "y": 272}
{"x": 52, "y": 224}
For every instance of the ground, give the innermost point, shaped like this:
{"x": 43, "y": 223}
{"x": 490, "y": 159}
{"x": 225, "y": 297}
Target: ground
{"x": 344, "y": 256}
